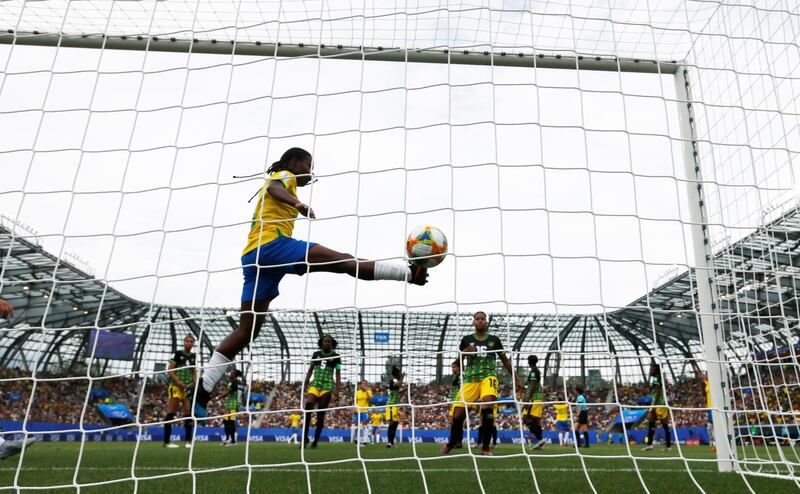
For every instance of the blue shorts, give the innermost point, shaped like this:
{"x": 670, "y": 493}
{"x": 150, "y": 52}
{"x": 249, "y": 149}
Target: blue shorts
{"x": 360, "y": 417}
{"x": 375, "y": 429}
{"x": 710, "y": 417}
{"x": 294, "y": 430}
{"x": 562, "y": 425}
{"x": 275, "y": 259}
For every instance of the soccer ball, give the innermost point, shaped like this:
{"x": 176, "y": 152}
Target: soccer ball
{"x": 425, "y": 241}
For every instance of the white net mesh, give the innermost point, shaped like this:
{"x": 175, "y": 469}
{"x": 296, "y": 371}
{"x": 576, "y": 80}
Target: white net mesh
{"x": 606, "y": 215}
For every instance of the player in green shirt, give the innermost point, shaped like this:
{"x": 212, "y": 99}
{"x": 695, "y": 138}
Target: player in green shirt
{"x": 182, "y": 373}
{"x": 392, "y": 410}
{"x": 659, "y": 411}
{"x": 232, "y": 403}
{"x": 532, "y": 413}
{"x": 480, "y": 352}
{"x": 325, "y": 362}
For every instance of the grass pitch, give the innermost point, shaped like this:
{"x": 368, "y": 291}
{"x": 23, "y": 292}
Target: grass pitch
{"x": 335, "y": 468}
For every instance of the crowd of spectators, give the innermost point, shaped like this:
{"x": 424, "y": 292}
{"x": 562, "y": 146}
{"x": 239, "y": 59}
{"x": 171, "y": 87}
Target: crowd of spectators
{"x": 58, "y": 399}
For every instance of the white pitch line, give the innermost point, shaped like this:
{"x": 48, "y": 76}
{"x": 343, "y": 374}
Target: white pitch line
{"x": 370, "y": 470}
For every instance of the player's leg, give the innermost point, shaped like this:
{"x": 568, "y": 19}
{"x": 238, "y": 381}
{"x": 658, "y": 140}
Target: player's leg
{"x": 172, "y": 410}
{"x": 251, "y": 319}
{"x": 364, "y": 429}
{"x": 233, "y": 427}
{"x": 710, "y": 429}
{"x": 576, "y": 435}
{"x": 665, "y": 425}
{"x": 321, "y": 258}
{"x": 188, "y": 423}
{"x": 536, "y": 424}
{"x": 322, "y": 403}
{"x": 586, "y": 434}
{"x": 394, "y": 421}
{"x": 459, "y": 415}
{"x": 310, "y": 405}
{"x": 488, "y": 395}
{"x": 486, "y": 423}
{"x": 651, "y": 430}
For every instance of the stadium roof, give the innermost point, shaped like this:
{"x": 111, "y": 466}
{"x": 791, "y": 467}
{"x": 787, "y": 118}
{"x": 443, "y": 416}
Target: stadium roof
{"x": 57, "y": 304}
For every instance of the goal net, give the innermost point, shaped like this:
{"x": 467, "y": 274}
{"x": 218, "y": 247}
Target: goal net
{"x": 616, "y": 181}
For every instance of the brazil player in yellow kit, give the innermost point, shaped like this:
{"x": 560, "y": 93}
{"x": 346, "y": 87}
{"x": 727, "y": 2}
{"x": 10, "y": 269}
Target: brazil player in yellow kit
{"x": 270, "y": 253}
{"x": 480, "y": 385}
{"x": 376, "y": 418}
{"x": 182, "y": 373}
{"x": 294, "y": 423}
{"x": 562, "y": 423}
{"x": 361, "y": 417}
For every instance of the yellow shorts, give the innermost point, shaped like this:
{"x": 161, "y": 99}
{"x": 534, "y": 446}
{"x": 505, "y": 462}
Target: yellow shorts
{"x": 319, "y": 393}
{"x": 473, "y": 393}
{"x": 534, "y": 410}
{"x": 175, "y": 392}
{"x": 661, "y": 413}
{"x": 392, "y": 414}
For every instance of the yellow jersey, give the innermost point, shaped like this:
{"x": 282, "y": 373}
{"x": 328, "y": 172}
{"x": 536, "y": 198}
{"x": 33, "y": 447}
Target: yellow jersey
{"x": 272, "y": 218}
{"x": 708, "y": 394}
{"x": 362, "y": 400}
{"x": 376, "y": 419}
{"x": 561, "y": 411}
{"x": 295, "y": 418}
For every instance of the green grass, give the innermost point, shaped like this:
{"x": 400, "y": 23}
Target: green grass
{"x": 276, "y": 468}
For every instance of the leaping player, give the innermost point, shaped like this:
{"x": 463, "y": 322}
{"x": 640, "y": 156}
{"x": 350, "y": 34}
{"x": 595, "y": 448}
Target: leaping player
{"x": 271, "y": 253}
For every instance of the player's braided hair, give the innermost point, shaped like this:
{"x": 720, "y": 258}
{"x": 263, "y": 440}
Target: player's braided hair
{"x": 533, "y": 360}
{"x": 286, "y": 158}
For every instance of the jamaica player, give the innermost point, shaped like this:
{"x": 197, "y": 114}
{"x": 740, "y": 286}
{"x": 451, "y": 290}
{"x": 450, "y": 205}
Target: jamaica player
{"x": 532, "y": 414}
{"x": 479, "y": 351}
{"x": 232, "y": 402}
{"x": 324, "y": 363}
{"x": 659, "y": 412}
{"x": 455, "y": 389}
{"x": 392, "y": 410}
{"x": 182, "y": 373}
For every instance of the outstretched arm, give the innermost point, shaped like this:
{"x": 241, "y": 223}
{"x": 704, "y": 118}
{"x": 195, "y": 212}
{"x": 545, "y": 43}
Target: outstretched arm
{"x": 278, "y": 191}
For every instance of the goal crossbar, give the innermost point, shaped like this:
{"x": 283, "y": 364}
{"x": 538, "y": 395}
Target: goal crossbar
{"x": 458, "y": 56}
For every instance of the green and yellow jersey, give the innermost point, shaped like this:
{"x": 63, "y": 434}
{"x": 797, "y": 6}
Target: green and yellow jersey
{"x": 534, "y": 385}
{"x": 324, "y": 366}
{"x": 184, "y": 365}
{"x": 481, "y": 362}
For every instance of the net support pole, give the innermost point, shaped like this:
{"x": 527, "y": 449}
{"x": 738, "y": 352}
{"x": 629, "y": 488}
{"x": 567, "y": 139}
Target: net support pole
{"x": 701, "y": 259}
